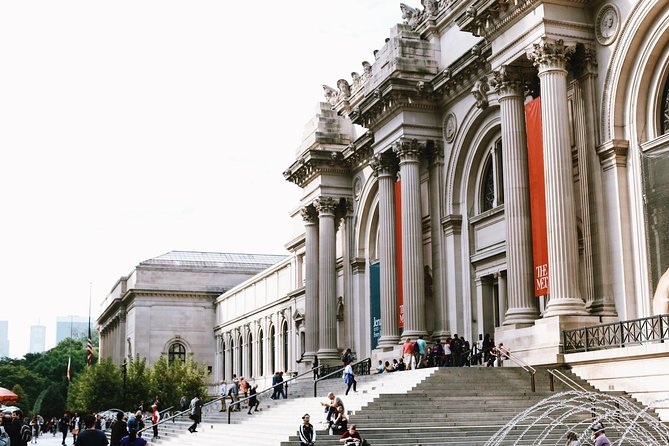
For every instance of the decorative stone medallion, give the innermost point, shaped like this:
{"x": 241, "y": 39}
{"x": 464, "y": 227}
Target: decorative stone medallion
{"x": 607, "y": 24}
{"x": 450, "y": 127}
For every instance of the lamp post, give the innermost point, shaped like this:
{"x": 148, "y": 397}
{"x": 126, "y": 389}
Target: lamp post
{"x": 124, "y": 369}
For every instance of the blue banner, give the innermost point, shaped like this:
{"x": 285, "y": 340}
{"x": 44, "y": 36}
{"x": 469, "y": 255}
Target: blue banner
{"x": 375, "y": 303}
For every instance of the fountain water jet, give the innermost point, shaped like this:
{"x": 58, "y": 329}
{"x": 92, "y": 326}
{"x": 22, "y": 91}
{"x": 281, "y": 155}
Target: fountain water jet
{"x": 549, "y": 421}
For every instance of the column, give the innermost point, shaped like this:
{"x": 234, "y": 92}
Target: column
{"x": 121, "y": 336}
{"x": 227, "y": 372}
{"x": 386, "y": 171}
{"x": 442, "y": 329}
{"x": 327, "y": 279}
{"x": 413, "y": 288}
{"x": 217, "y": 359}
{"x": 347, "y": 239}
{"x": 502, "y": 290}
{"x": 310, "y": 217}
{"x": 550, "y": 58}
{"x": 522, "y": 308}
{"x": 452, "y": 227}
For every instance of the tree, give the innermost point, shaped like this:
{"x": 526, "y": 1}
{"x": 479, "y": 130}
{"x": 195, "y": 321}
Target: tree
{"x": 31, "y": 384}
{"x": 24, "y": 402}
{"x": 171, "y": 381}
{"x": 98, "y": 388}
{"x": 137, "y": 386}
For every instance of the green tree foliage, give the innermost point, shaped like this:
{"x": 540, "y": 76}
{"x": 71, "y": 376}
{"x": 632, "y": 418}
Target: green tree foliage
{"x": 171, "y": 381}
{"x": 136, "y": 383}
{"x": 24, "y": 402}
{"x": 51, "y": 403}
{"x": 14, "y": 373}
{"x": 52, "y": 364}
{"x": 97, "y": 388}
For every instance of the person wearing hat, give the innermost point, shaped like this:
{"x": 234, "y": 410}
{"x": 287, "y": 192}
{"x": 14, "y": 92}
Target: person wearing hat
{"x": 599, "y": 435}
{"x": 132, "y": 438}
{"x": 306, "y": 432}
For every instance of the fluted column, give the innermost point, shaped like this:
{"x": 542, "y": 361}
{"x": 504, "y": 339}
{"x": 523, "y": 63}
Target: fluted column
{"x": 386, "y": 172}
{"x": 550, "y": 58}
{"x": 413, "y": 288}
{"x": 502, "y": 294}
{"x": 327, "y": 278}
{"x": 436, "y": 156}
{"x": 310, "y": 217}
{"x": 121, "y": 337}
{"x": 522, "y": 305}
{"x": 227, "y": 371}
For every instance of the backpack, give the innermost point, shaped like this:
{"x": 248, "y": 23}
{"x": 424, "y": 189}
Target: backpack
{"x": 26, "y": 433}
{"x": 415, "y": 347}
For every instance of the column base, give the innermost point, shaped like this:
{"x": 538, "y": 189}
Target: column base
{"x": 413, "y": 334}
{"x": 566, "y": 306}
{"x": 602, "y": 308}
{"x": 388, "y": 341}
{"x": 441, "y": 335}
{"x": 521, "y": 316}
{"x": 327, "y": 355}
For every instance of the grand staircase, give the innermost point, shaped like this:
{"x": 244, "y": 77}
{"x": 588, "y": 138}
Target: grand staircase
{"x": 427, "y": 407}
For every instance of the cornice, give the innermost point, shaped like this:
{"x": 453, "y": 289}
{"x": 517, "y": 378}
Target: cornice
{"x": 459, "y": 76}
{"x": 390, "y": 96}
{"x": 358, "y": 153}
{"x": 613, "y": 154}
{"x": 314, "y": 163}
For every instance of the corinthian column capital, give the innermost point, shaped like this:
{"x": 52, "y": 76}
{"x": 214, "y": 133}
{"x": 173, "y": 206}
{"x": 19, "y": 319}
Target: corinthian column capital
{"x": 309, "y": 215}
{"x": 550, "y": 55}
{"x": 384, "y": 164}
{"x": 326, "y": 205}
{"x": 507, "y": 82}
{"x": 408, "y": 149}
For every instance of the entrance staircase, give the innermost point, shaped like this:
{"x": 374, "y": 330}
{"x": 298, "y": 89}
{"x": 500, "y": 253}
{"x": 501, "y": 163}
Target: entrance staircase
{"x": 427, "y": 407}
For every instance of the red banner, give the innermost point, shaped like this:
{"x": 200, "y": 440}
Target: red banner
{"x": 535, "y": 165}
{"x": 398, "y": 243}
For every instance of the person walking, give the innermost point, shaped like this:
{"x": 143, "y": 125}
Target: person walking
{"x": 91, "y": 436}
{"x": 306, "y": 432}
{"x": 407, "y": 351}
{"x": 349, "y": 378}
{"x": 74, "y": 427}
{"x": 195, "y": 413}
{"x": 315, "y": 367}
{"x": 253, "y": 401}
{"x": 223, "y": 392}
{"x": 599, "y": 434}
{"x": 233, "y": 392}
{"x": 64, "y": 426}
{"x": 422, "y": 351}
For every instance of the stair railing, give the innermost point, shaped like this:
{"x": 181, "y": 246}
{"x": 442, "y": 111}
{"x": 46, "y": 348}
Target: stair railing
{"x": 282, "y": 383}
{"x": 522, "y": 364}
{"x": 555, "y": 373}
{"x": 366, "y": 366}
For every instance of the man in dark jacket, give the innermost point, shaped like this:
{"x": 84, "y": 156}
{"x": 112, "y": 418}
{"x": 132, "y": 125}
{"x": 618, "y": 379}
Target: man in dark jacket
{"x": 64, "y": 426}
{"x": 195, "y": 413}
{"x": 119, "y": 430}
{"x": 14, "y": 429}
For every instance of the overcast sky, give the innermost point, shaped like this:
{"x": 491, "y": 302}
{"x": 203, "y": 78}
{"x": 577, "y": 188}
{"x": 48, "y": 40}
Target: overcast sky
{"x": 132, "y": 128}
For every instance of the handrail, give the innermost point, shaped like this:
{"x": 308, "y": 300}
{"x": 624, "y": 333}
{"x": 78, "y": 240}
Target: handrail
{"x": 178, "y": 414}
{"x": 565, "y": 379}
{"x": 282, "y": 383}
{"x": 320, "y": 378}
{"x": 522, "y": 364}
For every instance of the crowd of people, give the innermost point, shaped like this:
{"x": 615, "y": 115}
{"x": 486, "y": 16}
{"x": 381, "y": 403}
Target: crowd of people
{"x": 453, "y": 352}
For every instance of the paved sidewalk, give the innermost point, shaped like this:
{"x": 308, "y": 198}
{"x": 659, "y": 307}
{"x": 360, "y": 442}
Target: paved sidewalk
{"x": 50, "y": 440}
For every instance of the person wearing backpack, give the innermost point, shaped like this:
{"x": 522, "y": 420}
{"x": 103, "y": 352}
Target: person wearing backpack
{"x": 15, "y": 430}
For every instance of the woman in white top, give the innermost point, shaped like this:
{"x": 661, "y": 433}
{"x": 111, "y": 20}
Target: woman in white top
{"x": 349, "y": 378}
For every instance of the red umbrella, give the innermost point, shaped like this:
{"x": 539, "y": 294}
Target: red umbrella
{"x": 7, "y": 396}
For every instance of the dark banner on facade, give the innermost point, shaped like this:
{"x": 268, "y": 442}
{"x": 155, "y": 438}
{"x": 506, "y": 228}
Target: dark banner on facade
{"x": 535, "y": 161}
{"x": 375, "y": 303}
{"x": 398, "y": 243}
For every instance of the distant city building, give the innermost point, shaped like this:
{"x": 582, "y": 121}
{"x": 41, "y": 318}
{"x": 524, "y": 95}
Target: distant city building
{"x": 71, "y": 326}
{"x": 4, "y": 339}
{"x": 37, "y": 338}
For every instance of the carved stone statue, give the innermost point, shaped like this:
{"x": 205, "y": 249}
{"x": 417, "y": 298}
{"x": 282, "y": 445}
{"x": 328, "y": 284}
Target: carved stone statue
{"x": 357, "y": 80}
{"x": 480, "y": 93}
{"x": 330, "y": 95}
{"x": 344, "y": 88}
{"x": 367, "y": 69}
{"x": 410, "y": 15}
{"x": 431, "y": 7}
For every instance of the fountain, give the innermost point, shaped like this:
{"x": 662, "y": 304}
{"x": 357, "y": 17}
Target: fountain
{"x": 549, "y": 421}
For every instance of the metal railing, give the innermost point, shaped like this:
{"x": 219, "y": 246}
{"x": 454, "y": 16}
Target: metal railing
{"x": 522, "y": 364}
{"x": 616, "y": 334}
{"x": 556, "y": 373}
{"x": 282, "y": 383}
{"x": 361, "y": 370}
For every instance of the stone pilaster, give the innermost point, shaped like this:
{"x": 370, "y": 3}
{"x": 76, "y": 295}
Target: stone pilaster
{"x": 436, "y": 183}
{"x": 385, "y": 170}
{"x": 550, "y": 58}
{"x": 502, "y": 294}
{"x": 409, "y": 152}
{"x": 310, "y": 217}
{"x": 348, "y": 242}
{"x": 121, "y": 336}
{"x": 522, "y": 305}
{"x": 327, "y": 278}
{"x": 452, "y": 227}
{"x": 227, "y": 354}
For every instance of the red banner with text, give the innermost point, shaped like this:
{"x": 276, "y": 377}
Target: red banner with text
{"x": 535, "y": 162}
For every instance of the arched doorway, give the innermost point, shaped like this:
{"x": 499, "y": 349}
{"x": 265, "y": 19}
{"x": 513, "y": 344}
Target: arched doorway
{"x": 272, "y": 349}
{"x": 284, "y": 331}
{"x": 261, "y": 357}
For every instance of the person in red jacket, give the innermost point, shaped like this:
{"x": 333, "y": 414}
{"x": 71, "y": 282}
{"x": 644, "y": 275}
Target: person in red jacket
{"x": 155, "y": 418}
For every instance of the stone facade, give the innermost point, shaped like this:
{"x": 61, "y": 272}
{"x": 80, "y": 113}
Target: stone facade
{"x": 167, "y": 305}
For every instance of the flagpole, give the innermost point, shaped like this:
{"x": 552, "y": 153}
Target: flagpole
{"x": 89, "y": 343}
{"x": 69, "y": 356}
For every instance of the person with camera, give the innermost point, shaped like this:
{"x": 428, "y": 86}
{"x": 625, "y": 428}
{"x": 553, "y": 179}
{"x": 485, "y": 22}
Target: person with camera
{"x": 352, "y": 437}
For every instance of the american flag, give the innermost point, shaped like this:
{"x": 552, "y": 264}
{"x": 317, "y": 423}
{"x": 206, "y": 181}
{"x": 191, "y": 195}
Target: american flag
{"x": 89, "y": 349}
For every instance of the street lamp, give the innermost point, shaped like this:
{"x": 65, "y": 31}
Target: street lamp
{"x": 124, "y": 369}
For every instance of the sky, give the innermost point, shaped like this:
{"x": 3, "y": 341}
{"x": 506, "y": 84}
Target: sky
{"x": 129, "y": 129}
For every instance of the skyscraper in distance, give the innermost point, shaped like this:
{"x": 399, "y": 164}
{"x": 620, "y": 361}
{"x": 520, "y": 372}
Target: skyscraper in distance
{"x": 37, "y": 338}
{"x": 77, "y": 324}
{"x": 4, "y": 339}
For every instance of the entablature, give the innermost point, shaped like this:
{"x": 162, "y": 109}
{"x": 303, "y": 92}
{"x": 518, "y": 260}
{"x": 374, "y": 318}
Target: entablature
{"x": 316, "y": 162}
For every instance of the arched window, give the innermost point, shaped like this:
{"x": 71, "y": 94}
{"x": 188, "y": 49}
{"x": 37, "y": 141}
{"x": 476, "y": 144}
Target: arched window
{"x": 240, "y": 356}
{"x": 664, "y": 113}
{"x": 272, "y": 349}
{"x": 284, "y": 330}
{"x": 250, "y": 353}
{"x": 491, "y": 192}
{"x": 176, "y": 352}
{"x": 261, "y": 357}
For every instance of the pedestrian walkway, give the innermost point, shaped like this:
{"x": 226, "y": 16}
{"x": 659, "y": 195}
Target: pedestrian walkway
{"x": 50, "y": 440}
